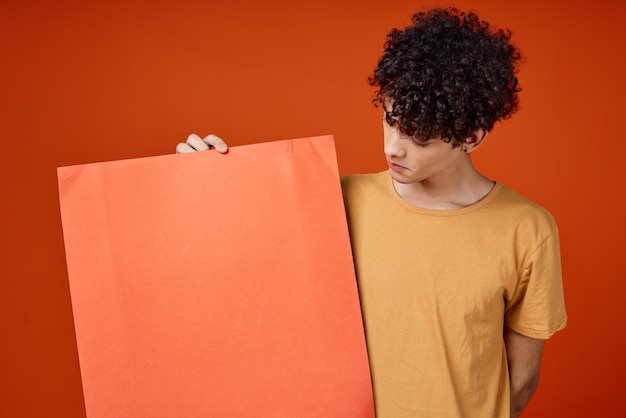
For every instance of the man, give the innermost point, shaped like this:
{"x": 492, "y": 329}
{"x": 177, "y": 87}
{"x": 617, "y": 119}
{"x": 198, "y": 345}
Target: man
{"x": 459, "y": 277}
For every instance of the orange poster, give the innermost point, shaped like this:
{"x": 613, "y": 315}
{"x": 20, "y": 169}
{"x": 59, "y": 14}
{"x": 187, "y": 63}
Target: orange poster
{"x": 207, "y": 285}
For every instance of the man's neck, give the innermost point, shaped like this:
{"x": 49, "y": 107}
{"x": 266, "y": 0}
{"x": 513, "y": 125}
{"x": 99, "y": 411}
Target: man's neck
{"x": 454, "y": 192}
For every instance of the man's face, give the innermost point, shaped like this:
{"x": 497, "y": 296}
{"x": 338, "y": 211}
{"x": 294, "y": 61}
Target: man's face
{"x": 413, "y": 161}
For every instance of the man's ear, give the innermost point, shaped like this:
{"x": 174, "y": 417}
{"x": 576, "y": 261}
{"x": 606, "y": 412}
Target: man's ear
{"x": 474, "y": 141}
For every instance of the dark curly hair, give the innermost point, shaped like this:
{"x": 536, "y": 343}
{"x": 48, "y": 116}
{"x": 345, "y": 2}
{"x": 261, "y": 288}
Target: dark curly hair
{"x": 447, "y": 75}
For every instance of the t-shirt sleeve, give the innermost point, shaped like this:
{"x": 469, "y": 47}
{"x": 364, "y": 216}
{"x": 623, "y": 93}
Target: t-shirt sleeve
{"x": 537, "y": 309}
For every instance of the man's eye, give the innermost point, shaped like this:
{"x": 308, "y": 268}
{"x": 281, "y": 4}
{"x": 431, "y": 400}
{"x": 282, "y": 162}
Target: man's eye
{"x": 414, "y": 141}
{"x": 419, "y": 143}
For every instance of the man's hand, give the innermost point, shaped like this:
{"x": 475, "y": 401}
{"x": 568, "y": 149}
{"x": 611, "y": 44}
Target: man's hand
{"x": 195, "y": 143}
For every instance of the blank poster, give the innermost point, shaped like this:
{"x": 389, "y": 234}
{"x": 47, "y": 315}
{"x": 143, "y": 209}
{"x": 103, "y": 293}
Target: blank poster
{"x": 208, "y": 285}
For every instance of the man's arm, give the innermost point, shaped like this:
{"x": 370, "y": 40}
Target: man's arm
{"x": 524, "y": 358}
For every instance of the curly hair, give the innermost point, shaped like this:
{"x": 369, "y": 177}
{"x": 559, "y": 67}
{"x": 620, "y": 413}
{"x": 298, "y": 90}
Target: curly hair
{"x": 447, "y": 75}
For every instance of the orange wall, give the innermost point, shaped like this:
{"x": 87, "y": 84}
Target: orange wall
{"x": 93, "y": 82}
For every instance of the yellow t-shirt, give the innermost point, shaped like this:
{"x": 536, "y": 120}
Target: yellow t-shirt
{"x": 437, "y": 287}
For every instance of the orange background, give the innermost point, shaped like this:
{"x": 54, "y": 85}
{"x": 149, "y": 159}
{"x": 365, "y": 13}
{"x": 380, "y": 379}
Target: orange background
{"x": 103, "y": 81}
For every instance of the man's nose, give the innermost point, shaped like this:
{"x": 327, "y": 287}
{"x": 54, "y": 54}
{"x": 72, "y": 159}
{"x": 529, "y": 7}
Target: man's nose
{"x": 394, "y": 146}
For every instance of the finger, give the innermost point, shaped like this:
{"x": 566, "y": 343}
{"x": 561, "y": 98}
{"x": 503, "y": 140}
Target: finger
{"x": 216, "y": 142}
{"x": 183, "y": 148}
{"x": 195, "y": 142}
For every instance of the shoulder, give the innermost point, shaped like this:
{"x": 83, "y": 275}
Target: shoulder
{"x": 515, "y": 201}
{"x": 357, "y": 188}
{"x": 523, "y": 212}
{"x": 357, "y": 182}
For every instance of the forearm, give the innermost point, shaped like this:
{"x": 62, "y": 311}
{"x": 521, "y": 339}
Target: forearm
{"x": 521, "y": 392}
{"x": 524, "y": 359}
